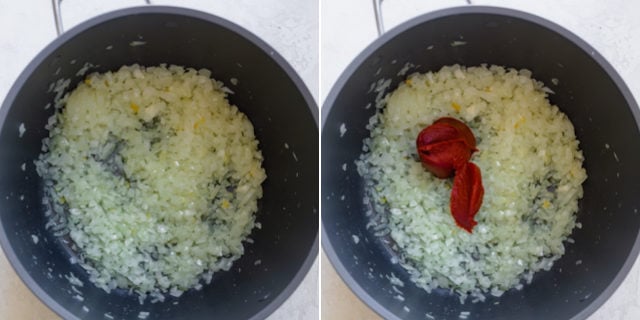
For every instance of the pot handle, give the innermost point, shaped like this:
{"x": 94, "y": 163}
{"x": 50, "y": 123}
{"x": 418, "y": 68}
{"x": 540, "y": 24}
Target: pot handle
{"x": 377, "y": 9}
{"x": 57, "y": 14}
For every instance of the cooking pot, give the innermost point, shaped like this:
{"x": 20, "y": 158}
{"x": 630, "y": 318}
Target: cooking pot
{"x": 588, "y": 90}
{"x": 268, "y": 91}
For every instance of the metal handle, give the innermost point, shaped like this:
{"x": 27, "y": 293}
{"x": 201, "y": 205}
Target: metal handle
{"x": 57, "y": 14}
{"x": 377, "y": 9}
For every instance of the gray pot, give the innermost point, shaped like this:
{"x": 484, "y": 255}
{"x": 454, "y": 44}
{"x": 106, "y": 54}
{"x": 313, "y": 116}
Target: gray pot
{"x": 590, "y": 92}
{"x": 269, "y": 93}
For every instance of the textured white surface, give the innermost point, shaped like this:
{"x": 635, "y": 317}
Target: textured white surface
{"x": 289, "y": 26}
{"x": 611, "y": 27}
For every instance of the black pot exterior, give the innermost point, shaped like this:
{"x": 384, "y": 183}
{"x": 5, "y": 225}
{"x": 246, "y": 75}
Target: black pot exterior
{"x": 589, "y": 91}
{"x": 269, "y": 92}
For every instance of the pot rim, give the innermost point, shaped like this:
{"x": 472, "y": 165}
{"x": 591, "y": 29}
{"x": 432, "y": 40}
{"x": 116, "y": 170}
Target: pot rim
{"x": 329, "y": 102}
{"x": 26, "y": 278}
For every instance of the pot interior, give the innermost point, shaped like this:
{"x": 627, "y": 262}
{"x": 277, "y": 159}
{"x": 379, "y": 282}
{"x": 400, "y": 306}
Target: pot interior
{"x": 268, "y": 92}
{"x": 588, "y": 91}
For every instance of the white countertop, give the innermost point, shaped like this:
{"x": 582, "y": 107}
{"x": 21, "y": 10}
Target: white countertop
{"x": 611, "y": 27}
{"x": 289, "y": 26}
